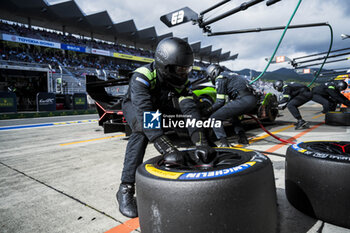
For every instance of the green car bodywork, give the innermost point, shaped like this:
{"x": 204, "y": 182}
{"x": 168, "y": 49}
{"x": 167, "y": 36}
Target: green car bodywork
{"x": 207, "y": 91}
{"x": 211, "y": 92}
{"x": 267, "y": 99}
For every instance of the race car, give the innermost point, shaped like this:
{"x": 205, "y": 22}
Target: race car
{"x": 108, "y": 96}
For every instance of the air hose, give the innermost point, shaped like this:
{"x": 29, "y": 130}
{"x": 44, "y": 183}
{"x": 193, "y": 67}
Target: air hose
{"x": 329, "y": 50}
{"x": 268, "y": 132}
{"x": 278, "y": 45}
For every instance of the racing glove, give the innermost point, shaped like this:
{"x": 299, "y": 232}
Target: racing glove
{"x": 207, "y": 111}
{"x": 203, "y": 153}
{"x": 171, "y": 155}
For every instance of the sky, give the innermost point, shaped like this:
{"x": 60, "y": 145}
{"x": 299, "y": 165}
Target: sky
{"x": 252, "y": 48}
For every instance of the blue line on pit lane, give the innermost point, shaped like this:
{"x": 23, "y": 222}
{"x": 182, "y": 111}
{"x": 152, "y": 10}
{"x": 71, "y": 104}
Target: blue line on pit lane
{"x": 25, "y": 126}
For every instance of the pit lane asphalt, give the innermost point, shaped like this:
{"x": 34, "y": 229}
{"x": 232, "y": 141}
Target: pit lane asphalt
{"x": 63, "y": 177}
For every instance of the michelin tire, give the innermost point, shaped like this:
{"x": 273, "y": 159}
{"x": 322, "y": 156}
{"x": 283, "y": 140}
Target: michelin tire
{"x": 317, "y": 180}
{"x": 237, "y": 194}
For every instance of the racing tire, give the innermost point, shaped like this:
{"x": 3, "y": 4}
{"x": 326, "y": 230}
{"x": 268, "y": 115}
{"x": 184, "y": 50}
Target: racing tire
{"x": 317, "y": 180}
{"x": 207, "y": 100}
{"x": 271, "y": 109}
{"x": 338, "y": 118}
{"x": 237, "y": 194}
{"x": 268, "y": 112}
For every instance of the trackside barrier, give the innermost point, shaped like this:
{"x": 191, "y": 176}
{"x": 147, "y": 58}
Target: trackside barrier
{"x": 45, "y": 101}
{"x": 79, "y": 101}
{"x": 8, "y": 102}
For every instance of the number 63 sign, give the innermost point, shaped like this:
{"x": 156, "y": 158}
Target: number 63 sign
{"x": 178, "y": 17}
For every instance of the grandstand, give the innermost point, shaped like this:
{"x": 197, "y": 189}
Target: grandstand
{"x": 51, "y": 48}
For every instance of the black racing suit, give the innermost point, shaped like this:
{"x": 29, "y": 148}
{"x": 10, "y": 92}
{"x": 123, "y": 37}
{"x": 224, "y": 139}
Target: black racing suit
{"x": 295, "y": 95}
{"x": 329, "y": 96}
{"x": 234, "y": 97}
{"x": 147, "y": 93}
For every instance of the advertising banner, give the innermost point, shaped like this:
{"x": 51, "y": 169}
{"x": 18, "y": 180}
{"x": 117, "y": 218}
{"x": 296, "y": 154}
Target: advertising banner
{"x": 26, "y": 40}
{"x": 45, "y": 101}
{"x": 140, "y": 59}
{"x": 8, "y": 102}
{"x": 133, "y": 58}
{"x": 79, "y": 101}
{"x": 73, "y": 48}
{"x": 100, "y": 52}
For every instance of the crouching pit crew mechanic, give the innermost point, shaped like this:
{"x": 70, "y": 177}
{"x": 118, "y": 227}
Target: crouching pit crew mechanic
{"x": 149, "y": 89}
{"x": 329, "y": 95}
{"x": 294, "y": 96}
{"x": 234, "y": 97}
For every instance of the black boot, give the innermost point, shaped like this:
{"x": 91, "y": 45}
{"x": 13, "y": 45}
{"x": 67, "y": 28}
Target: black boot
{"x": 301, "y": 124}
{"x": 224, "y": 142}
{"x": 127, "y": 201}
{"x": 242, "y": 138}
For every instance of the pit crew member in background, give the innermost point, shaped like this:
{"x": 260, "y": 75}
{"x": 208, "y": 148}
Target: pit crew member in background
{"x": 153, "y": 87}
{"x": 346, "y": 92}
{"x": 294, "y": 96}
{"x": 234, "y": 97}
{"x": 329, "y": 95}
